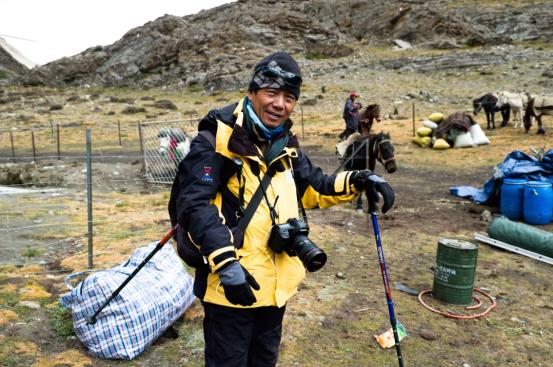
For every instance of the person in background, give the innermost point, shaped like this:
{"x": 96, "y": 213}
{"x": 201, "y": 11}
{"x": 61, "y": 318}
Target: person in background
{"x": 357, "y": 106}
{"x": 245, "y": 279}
{"x": 349, "y": 116}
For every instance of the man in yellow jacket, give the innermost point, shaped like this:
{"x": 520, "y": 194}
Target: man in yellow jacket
{"x": 244, "y": 277}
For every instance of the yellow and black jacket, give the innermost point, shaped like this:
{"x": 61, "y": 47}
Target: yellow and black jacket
{"x": 205, "y": 201}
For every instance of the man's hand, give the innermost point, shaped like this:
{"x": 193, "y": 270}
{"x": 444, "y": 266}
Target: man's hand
{"x": 238, "y": 283}
{"x": 373, "y": 184}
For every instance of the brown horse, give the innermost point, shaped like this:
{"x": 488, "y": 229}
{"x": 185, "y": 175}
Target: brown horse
{"x": 371, "y": 113}
{"x": 537, "y": 107}
{"x": 368, "y": 150}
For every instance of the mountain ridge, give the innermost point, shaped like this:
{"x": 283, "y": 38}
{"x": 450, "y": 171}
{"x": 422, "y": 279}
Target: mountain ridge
{"x": 216, "y": 48}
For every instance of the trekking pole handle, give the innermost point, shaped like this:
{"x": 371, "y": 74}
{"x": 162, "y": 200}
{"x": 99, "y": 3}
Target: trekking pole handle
{"x": 372, "y": 204}
{"x": 168, "y": 235}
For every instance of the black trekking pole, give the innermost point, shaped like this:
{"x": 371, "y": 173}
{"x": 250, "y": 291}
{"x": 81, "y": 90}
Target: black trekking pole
{"x": 393, "y": 321}
{"x": 91, "y": 320}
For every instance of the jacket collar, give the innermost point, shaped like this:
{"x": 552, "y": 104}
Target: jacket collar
{"x": 239, "y": 140}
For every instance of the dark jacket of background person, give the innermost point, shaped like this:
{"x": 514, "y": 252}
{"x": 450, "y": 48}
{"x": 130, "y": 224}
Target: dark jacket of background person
{"x": 349, "y": 114}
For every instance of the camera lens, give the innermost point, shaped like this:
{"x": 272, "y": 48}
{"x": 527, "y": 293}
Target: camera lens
{"x": 312, "y": 257}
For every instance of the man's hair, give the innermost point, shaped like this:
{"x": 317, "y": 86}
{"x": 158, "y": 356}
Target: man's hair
{"x": 281, "y": 61}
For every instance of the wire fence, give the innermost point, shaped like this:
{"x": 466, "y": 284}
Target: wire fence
{"x": 45, "y": 217}
{"x": 45, "y": 221}
{"x": 66, "y": 141}
{"x": 44, "y": 193}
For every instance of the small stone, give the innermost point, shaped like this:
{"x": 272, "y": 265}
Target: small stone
{"x": 486, "y": 216}
{"x": 517, "y": 320}
{"x": 340, "y": 275}
{"x": 428, "y": 334}
{"x": 29, "y": 304}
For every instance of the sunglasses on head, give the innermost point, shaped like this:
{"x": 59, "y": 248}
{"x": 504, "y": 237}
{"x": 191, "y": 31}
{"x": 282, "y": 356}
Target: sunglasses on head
{"x": 291, "y": 79}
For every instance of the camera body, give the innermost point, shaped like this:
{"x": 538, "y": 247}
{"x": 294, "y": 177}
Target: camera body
{"x": 292, "y": 238}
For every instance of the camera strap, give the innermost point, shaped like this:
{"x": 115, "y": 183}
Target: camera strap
{"x": 304, "y": 214}
{"x": 255, "y": 200}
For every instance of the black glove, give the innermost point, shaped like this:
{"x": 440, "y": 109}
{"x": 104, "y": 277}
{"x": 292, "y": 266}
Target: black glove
{"x": 238, "y": 283}
{"x": 373, "y": 184}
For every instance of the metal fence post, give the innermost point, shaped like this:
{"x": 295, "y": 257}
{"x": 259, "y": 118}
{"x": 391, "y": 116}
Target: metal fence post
{"x": 89, "y": 194}
{"x": 51, "y": 130}
{"x": 58, "y": 140}
{"x": 141, "y": 147}
{"x": 119, "y": 130}
{"x": 13, "y": 148}
{"x": 34, "y": 148}
{"x": 413, "y": 118}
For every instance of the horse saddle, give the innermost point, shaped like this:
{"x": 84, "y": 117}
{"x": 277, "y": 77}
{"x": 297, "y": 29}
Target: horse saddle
{"x": 342, "y": 146}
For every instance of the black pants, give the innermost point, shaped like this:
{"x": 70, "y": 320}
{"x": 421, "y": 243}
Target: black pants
{"x": 239, "y": 337}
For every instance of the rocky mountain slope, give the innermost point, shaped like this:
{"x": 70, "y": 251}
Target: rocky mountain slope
{"x": 12, "y": 64}
{"x": 216, "y": 48}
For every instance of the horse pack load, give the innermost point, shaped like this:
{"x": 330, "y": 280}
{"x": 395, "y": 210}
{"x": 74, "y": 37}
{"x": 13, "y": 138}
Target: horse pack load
{"x": 458, "y": 130}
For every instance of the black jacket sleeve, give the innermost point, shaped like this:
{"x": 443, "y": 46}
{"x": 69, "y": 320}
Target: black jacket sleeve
{"x": 307, "y": 174}
{"x": 198, "y": 179}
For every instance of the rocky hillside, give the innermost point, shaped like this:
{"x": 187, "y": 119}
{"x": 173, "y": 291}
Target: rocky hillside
{"x": 216, "y": 48}
{"x": 10, "y": 66}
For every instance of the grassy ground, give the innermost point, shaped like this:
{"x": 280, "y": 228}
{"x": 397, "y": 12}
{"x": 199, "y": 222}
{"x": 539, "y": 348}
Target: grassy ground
{"x": 331, "y": 322}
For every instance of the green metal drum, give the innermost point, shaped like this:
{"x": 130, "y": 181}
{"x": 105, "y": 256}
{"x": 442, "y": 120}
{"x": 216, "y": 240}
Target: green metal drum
{"x": 454, "y": 272}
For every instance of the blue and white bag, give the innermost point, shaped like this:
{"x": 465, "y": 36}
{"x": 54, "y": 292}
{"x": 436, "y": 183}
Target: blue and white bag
{"x": 151, "y": 302}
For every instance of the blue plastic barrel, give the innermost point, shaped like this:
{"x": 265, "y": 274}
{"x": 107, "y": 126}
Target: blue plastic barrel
{"x": 538, "y": 202}
{"x": 511, "y": 197}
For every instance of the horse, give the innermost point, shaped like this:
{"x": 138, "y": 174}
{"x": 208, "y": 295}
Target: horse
{"x": 537, "y": 107}
{"x": 371, "y": 113}
{"x": 173, "y": 142}
{"x": 373, "y": 147}
{"x": 516, "y": 101}
{"x": 488, "y": 102}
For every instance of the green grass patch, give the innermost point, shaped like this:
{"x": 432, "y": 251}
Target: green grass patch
{"x": 62, "y": 323}
{"x": 31, "y": 252}
{"x": 9, "y": 299}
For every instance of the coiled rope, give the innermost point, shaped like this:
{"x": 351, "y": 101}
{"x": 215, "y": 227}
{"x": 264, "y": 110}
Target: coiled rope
{"x": 461, "y": 316}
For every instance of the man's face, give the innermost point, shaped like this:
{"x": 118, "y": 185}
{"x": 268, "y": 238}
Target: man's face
{"x": 272, "y": 106}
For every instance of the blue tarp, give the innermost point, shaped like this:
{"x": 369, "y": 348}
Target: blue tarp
{"x": 516, "y": 165}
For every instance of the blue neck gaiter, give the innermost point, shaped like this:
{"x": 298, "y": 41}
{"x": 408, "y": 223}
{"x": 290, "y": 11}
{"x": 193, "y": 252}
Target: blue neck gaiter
{"x": 264, "y": 131}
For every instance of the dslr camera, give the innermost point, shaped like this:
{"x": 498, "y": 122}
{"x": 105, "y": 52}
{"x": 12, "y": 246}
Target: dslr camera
{"x": 292, "y": 238}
